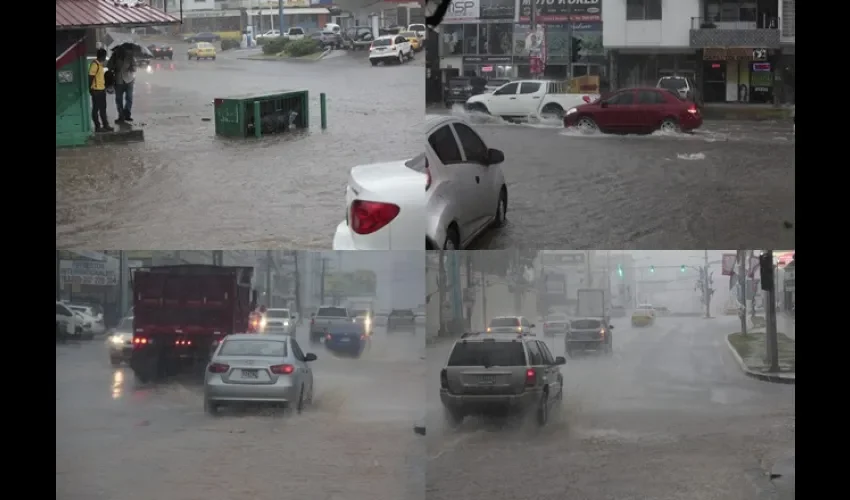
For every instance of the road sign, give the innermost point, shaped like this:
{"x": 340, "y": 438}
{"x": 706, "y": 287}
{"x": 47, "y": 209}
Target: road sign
{"x": 88, "y": 272}
{"x": 728, "y": 264}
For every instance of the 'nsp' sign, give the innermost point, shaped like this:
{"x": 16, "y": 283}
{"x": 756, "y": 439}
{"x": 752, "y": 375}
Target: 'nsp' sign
{"x": 461, "y": 11}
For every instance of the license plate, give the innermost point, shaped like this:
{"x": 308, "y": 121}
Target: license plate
{"x": 487, "y": 379}
{"x": 252, "y": 374}
{"x": 345, "y": 339}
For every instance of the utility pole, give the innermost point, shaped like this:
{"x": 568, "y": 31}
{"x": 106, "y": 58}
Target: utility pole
{"x": 533, "y": 24}
{"x": 470, "y": 279}
{"x": 218, "y": 257}
{"x": 608, "y": 271}
{"x": 706, "y": 287}
{"x": 517, "y": 272}
{"x": 484, "y": 299}
{"x": 269, "y": 263}
{"x": 322, "y": 279}
{"x": 441, "y": 288}
{"x": 58, "y": 277}
{"x": 588, "y": 269}
{"x": 297, "y": 279}
{"x": 768, "y": 282}
{"x": 750, "y": 256}
{"x": 457, "y": 299}
{"x": 742, "y": 287}
{"x": 123, "y": 284}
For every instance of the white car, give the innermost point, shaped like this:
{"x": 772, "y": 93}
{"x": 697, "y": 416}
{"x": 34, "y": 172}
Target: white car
{"x": 390, "y": 48}
{"x": 528, "y": 98}
{"x": 278, "y": 321}
{"x": 269, "y": 34}
{"x": 92, "y": 322}
{"x": 294, "y": 33}
{"x": 385, "y": 206}
{"x": 420, "y": 30}
{"x": 66, "y": 322}
{"x": 466, "y": 191}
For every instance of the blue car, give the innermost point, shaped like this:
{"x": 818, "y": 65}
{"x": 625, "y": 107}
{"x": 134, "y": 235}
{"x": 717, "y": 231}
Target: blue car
{"x": 347, "y": 339}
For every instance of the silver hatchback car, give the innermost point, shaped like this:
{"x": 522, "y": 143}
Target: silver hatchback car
{"x": 259, "y": 368}
{"x": 466, "y": 191}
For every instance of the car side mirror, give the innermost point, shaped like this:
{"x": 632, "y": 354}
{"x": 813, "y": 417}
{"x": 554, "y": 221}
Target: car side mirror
{"x": 495, "y": 157}
{"x": 560, "y": 360}
{"x": 309, "y": 357}
{"x": 610, "y": 327}
{"x": 603, "y": 104}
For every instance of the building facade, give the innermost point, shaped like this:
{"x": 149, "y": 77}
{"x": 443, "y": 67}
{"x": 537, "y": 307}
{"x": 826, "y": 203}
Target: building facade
{"x": 735, "y": 50}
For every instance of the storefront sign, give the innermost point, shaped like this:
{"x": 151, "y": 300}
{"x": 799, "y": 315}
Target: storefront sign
{"x": 498, "y": 10}
{"x": 730, "y": 54}
{"x": 462, "y": 11}
{"x": 560, "y": 11}
{"x": 486, "y": 59}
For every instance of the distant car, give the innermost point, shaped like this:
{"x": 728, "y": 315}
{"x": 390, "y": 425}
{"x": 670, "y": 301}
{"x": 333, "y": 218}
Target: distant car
{"x": 295, "y": 33}
{"x": 419, "y": 29}
{"x": 510, "y": 324}
{"x": 589, "y": 334}
{"x": 327, "y": 40}
{"x": 466, "y": 192}
{"x": 269, "y": 34}
{"x": 413, "y": 38}
{"x": 643, "y": 317}
{"x": 358, "y": 38}
{"x": 92, "y": 321}
{"x": 160, "y": 51}
{"x": 278, "y": 321}
{"x": 636, "y": 110}
{"x": 556, "y": 324}
{"x": 683, "y": 86}
{"x": 385, "y": 206}
{"x": 201, "y": 50}
{"x": 67, "y": 323}
{"x": 203, "y": 37}
{"x": 347, "y": 339}
{"x": 120, "y": 342}
{"x": 618, "y": 312}
{"x": 259, "y": 369}
{"x": 501, "y": 372}
{"x": 401, "y": 319}
{"x": 390, "y": 49}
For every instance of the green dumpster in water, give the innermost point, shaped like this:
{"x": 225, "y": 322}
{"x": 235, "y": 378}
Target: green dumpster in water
{"x": 278, "y": 112}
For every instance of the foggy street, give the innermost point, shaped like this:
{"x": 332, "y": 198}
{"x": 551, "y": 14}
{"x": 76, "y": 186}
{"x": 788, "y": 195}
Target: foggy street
{"x": 117, "y": 439}
{"x": 727, "y": 184}
{"x": 185, "y": 188}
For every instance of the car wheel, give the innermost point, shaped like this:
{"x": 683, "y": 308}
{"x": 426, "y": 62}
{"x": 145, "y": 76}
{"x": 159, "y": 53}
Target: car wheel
{"x": 400, "y": 58}
{"x": 210, "y": 407}
{"x": 374, "y": 62}
{"x": 115, "y": 361}
{"x": 501, "y": 208}
{"x": 552, "y": 112}
{"x": 299, "y": 407}
{"x": 477, "y": 106}
{"x": 453, "y": 417}
{"x": 171, "y": 57}
{"x": 452, "y": 239}
{"x": 586, "y": 125}
{"x": 669, "y": 125}
{"x": 543, "y": 410}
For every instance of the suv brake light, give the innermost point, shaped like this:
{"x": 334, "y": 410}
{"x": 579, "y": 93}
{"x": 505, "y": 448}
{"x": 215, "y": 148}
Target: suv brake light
{"x": 368, "y": 217}
{"x": 282, "y": 369}
{"x": 444, "y": 379}
{"x": 218, "y": 368}
{"x": 530, "y": 377}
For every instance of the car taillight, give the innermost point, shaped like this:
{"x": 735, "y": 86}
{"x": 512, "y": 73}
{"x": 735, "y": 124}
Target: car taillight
{"x": 282, "y": 369}
{"x": 371, "y": 46}
{"x": 141, "y": 341}
{"x": 444, "y": 379}
{"x": 363, "y": 337}
{"x": 218, "y": 368}
{"x": 692, "y": 109}
{"x": 370, "y": 216}
{"x": 182, "y": 342}
{"x": 602, "y": 333}
{"x": 328, "y": 337}
{"x": 530, "y": 377}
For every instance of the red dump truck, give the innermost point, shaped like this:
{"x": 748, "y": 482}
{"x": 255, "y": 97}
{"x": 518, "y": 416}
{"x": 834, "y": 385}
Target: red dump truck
{"x": 181, "y": 313}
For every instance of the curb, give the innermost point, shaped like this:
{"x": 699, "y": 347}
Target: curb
{"x": 766, "y": 377}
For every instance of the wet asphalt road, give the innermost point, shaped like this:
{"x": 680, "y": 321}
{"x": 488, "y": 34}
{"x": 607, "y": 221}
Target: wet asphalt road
{"x": 670, "y": 416}
{"x": 727, "y": 185}
{"x": 185, "y": 188}
{"x": 118, "y": 440}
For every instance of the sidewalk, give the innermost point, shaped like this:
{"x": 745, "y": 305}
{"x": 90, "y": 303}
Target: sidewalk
{"x": 746, "y": 112}
{"x": 749, "y": 353}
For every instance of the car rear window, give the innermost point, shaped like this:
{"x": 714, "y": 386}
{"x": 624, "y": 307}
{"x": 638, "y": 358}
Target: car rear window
{"x": 279, "y": 313}
{"x": 487, "y": 354}
{"x": 382, "y": 42}
{"x": 585, "y": 324}
{"x": 246, "y": 347}
{"x": 642, "y": 312}
{"x": 340, "y": 312}
{"x": 498, "y": 322}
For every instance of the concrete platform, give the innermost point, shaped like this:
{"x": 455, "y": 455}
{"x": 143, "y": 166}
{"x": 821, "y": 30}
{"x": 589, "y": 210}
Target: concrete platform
{"x": 746, "y": 112}
{"x": 120, "y": 135}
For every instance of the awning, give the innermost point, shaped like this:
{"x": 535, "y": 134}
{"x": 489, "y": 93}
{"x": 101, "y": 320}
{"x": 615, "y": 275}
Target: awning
{"x": 76, "y": 14}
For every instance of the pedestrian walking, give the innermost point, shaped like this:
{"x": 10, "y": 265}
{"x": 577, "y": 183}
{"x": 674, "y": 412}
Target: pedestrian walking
{"x": 123, "y": 63}
{"x": 97, "y": 89}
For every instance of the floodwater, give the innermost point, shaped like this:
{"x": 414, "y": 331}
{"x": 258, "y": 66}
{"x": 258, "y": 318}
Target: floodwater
{"x": 185, "y": 188}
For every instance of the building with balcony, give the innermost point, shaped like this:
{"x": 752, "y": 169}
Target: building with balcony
{"x": 735, "y": 50}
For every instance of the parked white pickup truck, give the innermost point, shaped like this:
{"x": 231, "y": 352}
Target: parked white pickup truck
{"x": 529, "y": 98}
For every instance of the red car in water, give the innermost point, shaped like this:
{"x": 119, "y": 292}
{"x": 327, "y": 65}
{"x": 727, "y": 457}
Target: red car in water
{"x": 636, "y": 110}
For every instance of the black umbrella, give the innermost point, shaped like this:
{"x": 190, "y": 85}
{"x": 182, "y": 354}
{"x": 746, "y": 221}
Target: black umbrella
{"x": 139, "y": 51}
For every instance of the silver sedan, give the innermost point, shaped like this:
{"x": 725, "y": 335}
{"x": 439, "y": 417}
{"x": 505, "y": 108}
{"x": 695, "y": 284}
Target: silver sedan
{"x": 262, "y": 369}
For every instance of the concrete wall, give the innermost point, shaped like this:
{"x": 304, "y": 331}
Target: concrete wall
{"x": 672, "y": 31}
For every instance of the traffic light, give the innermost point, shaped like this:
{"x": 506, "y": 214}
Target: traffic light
{"x": 576, "y": 46}
{"x": 620, "y": 270}
{"x": 652, "y": 269}
{"x": 766, "y": 270}
{"x": 683, "y": 268}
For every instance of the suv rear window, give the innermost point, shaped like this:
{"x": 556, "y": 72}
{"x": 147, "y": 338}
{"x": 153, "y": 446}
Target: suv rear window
{"x": 332, "y": 312}
{"x": 673, "y": 83}
{"x": 382, "y": 42}
{"x": 586, "y": 324}
{"x": 487, "y": 354}
{"x": 498, "y": 322}
{"x": 277, "y": 313}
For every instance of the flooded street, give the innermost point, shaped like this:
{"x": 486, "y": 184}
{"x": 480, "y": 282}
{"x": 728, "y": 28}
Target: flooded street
{"x": 117, "y": 439}
{"x": 669, "y": 416}
{"x": 728, "y": 183}
{"x": 185, "y": 188}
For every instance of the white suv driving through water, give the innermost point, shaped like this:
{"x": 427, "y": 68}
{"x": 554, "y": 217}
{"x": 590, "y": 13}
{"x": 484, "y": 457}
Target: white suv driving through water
{"x": 390, "y": 48}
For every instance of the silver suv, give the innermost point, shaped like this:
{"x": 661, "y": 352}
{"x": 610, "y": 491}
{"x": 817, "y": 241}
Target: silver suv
{"x": 510, "y": 324}
{"x": 492, "y": 372}
{"x": 682, "y": 86}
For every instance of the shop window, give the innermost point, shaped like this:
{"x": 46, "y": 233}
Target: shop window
{"x": 643, "y": 10}
{"x": 496, "y": 39}
{"x": 452, "y": 39}
{"x": 470, "y": 39}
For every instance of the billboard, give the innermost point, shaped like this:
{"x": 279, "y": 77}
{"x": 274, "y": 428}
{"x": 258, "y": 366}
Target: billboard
{"x": 561, "y": 11}
{"x": 360, "y": 283}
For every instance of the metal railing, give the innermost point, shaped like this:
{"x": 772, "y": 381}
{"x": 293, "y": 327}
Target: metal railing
{"x": 763, "y": 22}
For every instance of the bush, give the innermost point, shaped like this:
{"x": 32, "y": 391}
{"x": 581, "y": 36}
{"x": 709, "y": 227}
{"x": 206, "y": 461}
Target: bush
{"x": 303, "y": 47}
{"x": 274, "y": 45}
{"x": 228, "y": 44}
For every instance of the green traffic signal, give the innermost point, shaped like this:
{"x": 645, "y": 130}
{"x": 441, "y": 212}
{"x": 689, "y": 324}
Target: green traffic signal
{"x": 652, "y": 269}
{"x": 683, "y": 268}
{"x": 620, "y": 270}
